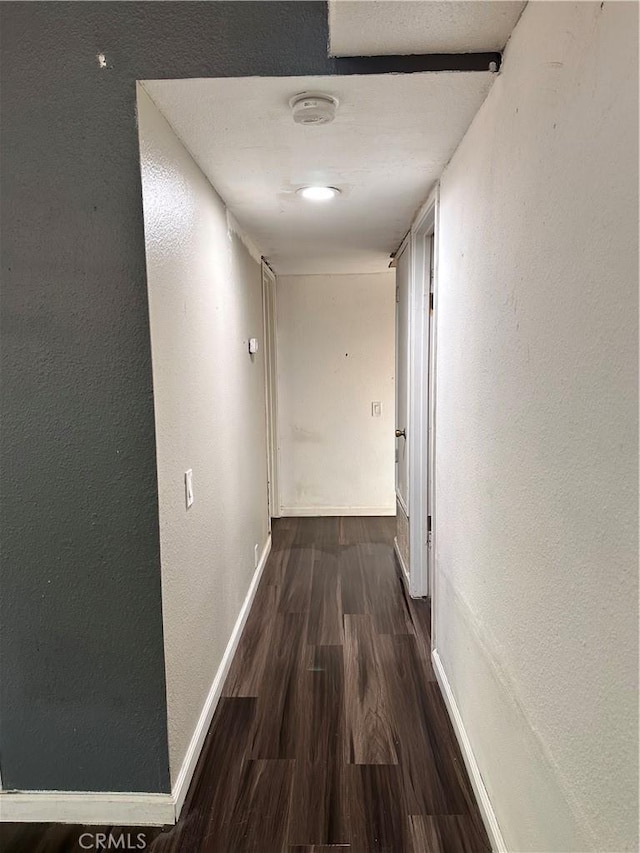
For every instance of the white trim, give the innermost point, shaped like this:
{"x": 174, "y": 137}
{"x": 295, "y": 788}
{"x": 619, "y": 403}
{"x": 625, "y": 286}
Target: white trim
{"x": 421, "y": 234}
{"x": 433, "y": 386}
{"x": 484, "y": 803}
{"x": 83, "y": 807}
{"x": 405, "y": 574}
{"x": 269, "y": 297}
{"x": 133, "y": 809}
{"x": 402, "y": 504}
{"x": 433, "y": 553}
{"x": 309, "y": 511}
{"x": 183, "y": 781}
{"x": 407, "y": 246}
{"x": 424, "y": 210}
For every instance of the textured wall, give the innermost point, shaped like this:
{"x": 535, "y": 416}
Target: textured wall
{"x": 83, "y": 696}
{"x": 205, "y": 298}
{"x": 537, "y": 396}
{"x": 336, "y": 338}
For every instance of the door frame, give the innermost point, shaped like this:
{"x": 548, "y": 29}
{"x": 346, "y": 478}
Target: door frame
{"x": 271, "y": 387}
{"x": 404, "y": 501}
{"x": 422, "y": 337}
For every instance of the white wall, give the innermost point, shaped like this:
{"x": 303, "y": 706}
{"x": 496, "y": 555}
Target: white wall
{"x": 536, "y": 510}
{"x": 336, "y": 337}
{"x": 205, "y": 303}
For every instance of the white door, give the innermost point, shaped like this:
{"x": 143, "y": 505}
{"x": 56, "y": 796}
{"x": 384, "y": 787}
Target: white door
{"x": 402, "y": 402}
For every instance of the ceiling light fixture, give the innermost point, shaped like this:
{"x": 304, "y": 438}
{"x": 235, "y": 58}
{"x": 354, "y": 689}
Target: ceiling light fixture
{"x": 318, "y": 193}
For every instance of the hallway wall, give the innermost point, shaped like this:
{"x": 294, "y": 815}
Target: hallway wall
{"x": 83, "y": 704}
{"x": 205, "y": 301}
{"x": 537, "y": 403}
{"x": 336, "y": 337}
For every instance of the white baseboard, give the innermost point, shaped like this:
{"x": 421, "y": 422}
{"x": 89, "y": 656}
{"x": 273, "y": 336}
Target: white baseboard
{"x": 107, "y": 809}
{"x": 401, "y": 562}
{"x": 183, "y": 781}
{"x": 318, "y": 511}
{"x": 401, "y": 503}
{"x": 484, "y": 803}
{"x": 132, "y": 809}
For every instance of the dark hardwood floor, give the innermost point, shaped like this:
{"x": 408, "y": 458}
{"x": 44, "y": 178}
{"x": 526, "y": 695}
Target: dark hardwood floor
{"x": 331, "y": 734}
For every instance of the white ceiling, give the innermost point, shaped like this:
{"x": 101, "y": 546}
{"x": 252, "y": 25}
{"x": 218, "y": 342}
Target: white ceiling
{"x": 392, "y": 136}
{"x": 375, "y": 27}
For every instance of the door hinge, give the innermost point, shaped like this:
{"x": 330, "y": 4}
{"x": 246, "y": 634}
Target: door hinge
{"x": 429, "y": 531}
{"x": 396, "y": 454}
{"x": 431, "y": 301}
{"x": 397, "y": 293}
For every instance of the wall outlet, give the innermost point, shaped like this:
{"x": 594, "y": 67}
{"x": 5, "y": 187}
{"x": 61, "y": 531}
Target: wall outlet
{"x": 188, "y": 487}
{"x": 376, "y": 409}
{"x": 256, "y": 554}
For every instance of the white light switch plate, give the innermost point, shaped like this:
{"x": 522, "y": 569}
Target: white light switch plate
{"x": 376, "y": 409}
{"x": 188, "y": 487}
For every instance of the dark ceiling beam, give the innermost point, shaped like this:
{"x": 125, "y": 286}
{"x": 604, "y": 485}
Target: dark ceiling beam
{"x": 416, "y": 63}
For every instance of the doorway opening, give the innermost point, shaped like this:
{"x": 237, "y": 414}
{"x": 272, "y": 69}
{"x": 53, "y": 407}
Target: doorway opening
{"x": 294, "y": 361}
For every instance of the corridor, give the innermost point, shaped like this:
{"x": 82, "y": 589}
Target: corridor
{"x": 332, "y": 732}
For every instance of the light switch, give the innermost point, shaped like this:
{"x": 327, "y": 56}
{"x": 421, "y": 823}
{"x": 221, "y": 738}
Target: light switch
{"x": 188, "y": 487}
{"x": 376, "y": 409}
{"x": 253, "y": 345}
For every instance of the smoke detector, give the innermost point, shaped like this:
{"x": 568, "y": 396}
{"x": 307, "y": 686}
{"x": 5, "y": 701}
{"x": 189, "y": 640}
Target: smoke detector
{"x": 313, "y": 108}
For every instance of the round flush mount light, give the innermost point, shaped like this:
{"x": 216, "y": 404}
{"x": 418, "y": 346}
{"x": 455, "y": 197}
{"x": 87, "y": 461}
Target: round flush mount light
{"x": 313, "y": 108}
{"x": 318, "y": 193}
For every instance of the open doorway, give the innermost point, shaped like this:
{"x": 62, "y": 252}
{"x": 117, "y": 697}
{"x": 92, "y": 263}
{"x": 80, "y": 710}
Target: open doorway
{"x": 273, "y": 328}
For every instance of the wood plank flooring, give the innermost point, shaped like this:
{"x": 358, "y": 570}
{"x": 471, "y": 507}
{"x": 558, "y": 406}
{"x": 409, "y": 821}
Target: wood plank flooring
{"x": 331, "y": 734}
